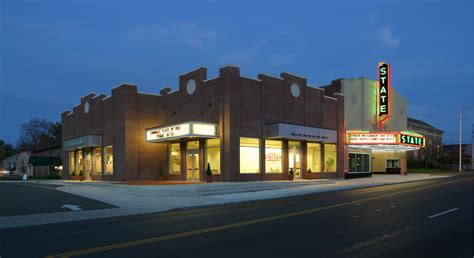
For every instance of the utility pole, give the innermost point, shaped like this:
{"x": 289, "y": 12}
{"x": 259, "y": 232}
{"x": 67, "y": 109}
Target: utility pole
{"x": 460, "y": 137}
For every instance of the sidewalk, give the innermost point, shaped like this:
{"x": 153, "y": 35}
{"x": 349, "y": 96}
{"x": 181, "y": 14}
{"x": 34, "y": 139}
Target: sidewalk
{"x": 139, "y": 199}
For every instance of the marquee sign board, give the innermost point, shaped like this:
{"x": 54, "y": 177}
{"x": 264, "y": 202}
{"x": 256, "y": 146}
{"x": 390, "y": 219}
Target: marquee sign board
{"x": 183, "y": 130}
{"x": 385, "y": 138}
{"x": 383, "y": 92}
{"x": 372, "y": 138}
{"x": 412, "y": 140}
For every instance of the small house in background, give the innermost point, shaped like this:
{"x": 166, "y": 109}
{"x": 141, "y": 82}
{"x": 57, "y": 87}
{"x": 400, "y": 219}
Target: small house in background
{"x": 46, "y": 162}
{"x": 17, "y": 164}
{"x": 9, "y": 164}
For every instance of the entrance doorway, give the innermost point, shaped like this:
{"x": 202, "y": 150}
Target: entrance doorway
{"x": 192, "y": 161}
{"x": 294, "y": 158}
{"x": 359, "y": 162}
{"x": 88, "y": 168}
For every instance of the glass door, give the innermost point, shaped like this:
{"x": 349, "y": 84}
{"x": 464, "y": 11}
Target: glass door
{"x": 359, "y": 162}
{"x": 294, "y": 158}
{"x": 193, "y": 167}
{"x": 192, "y": 161}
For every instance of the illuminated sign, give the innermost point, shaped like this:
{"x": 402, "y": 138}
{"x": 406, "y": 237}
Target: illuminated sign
{"x": 412, "y": 140}
{"x": 183, "y": 130}
{"x": 383, "y": 96}
{"x": 372, "y": 138}
{"x": 385, "y": 138}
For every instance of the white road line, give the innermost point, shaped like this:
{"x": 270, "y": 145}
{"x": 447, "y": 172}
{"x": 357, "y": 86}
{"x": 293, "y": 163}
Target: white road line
{"x": 442, "y": 213}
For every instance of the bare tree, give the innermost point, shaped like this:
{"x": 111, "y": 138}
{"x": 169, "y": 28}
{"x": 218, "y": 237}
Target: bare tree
{"x": 34, "y": 133}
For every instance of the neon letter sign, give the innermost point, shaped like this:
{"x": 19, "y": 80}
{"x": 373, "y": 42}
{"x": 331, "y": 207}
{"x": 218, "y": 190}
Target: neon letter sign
{"x": 383, "y": 96}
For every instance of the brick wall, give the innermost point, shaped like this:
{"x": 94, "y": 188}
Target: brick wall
{"x": 240, "y": 106}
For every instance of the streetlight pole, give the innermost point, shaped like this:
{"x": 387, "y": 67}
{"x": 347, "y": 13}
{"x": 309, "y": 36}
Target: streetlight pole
{"x": 460, "y": 137}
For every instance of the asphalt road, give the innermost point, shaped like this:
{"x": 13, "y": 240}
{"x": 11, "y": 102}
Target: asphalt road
{"x": 22, "y": 199}
{"x": 419, "y": 219}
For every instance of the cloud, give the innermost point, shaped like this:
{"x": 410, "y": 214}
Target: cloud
{"x": 387, "y": 38}
{"x": 187, "y": 33}
{"x": 243, "y": 56}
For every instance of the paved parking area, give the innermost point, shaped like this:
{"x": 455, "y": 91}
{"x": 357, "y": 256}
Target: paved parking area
{"x": 22, "y": 199}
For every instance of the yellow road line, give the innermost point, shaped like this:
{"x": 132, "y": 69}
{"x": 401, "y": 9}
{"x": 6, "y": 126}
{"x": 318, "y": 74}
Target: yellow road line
{"x": 239, "y": 224}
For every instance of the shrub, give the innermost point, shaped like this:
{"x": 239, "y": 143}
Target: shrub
{"x": 309, "y": 171}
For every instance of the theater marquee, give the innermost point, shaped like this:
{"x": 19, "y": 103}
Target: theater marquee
{"x": 183, "y": 130}
{"x": 385, "y": 138}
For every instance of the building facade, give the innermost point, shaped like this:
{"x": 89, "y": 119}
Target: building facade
{"x": 371, "y": 146}
{"x": 243, "y": 129}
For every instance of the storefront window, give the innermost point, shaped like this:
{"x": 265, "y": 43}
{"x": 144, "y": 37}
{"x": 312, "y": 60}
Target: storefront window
{"x": 79, "y": 167}
{"x": 330, "y": 157}
{"x": 109, "y": 160}
{"x": 249, "y": 155}
{"x": 314, "y": 157}
{"x": 97, "y": 161}
{"x": 393, "y": 163}
{"x": 72, "y": 162}
{"x": 213, "y": 155}
{"x": 273, "y": 154}
{"x": 175, "y": 159}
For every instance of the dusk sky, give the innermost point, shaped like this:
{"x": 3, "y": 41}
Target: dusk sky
{"x": 54, "y": 52}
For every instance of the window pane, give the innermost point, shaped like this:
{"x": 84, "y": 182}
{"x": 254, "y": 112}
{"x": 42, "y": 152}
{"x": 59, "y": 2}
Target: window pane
{"x": 314, "y": 157}
{"x": 72, "y": 163}
{"x": 330, "y": 157}
{"x": 175, "y": 157}
{"x": 273, "y": 156}
{"x": 109, "y": 160}
{"x": 249, "y": 155}
{"x": 98, "y": 161}
{"x": 79, "y": 162}
{"x": 213, "y": 155}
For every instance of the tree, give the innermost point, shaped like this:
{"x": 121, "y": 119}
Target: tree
{"x": 55, "y": 132}
{"x": 39, "y": 132}
{"x": 6, "y": 150}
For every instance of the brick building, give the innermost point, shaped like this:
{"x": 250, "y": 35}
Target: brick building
{"x": 434, "y": 140}
{"x": 245, "y": 129}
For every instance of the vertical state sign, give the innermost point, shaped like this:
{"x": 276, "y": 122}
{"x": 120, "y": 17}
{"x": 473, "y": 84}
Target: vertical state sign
{"x": 383, "y": 92}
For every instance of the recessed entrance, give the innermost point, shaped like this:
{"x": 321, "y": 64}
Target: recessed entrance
{"x": 359, "y": 162}
{"x": 294, "y": 158}
{"x": 192, "y": 161}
